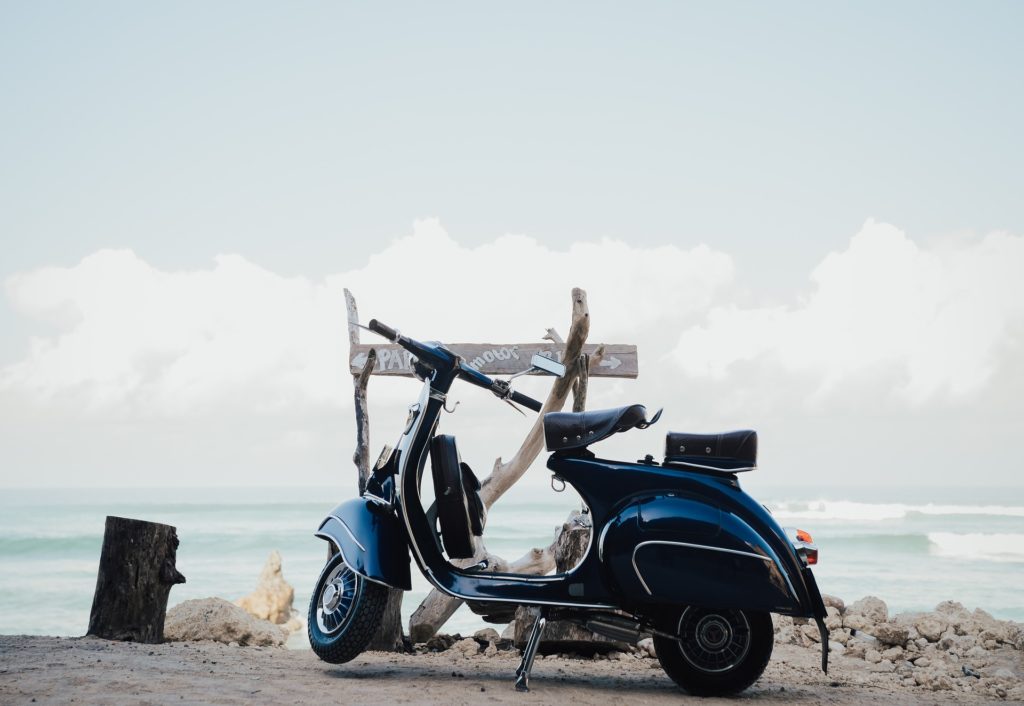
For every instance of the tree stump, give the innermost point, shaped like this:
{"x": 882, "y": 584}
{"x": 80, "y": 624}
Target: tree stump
{"x": 137, "y": 570}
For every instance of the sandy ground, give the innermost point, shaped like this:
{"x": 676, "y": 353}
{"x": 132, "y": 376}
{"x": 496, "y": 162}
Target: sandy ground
{"x": 49, "y": 670}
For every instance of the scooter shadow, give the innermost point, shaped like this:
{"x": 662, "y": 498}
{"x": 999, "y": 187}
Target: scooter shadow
{"x": 549, "y": 677}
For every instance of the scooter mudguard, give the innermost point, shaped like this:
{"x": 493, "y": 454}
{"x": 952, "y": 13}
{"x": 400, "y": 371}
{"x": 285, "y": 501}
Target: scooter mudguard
{"x": 371, "y": 540}
{"x": 674, "y": 549}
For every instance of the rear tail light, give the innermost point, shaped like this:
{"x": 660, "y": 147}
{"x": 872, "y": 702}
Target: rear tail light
{"x": 804, "y": 545}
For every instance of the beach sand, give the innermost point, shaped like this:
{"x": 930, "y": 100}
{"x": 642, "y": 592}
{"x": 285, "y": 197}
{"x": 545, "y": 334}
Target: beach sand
{"x": 51, "y": 670}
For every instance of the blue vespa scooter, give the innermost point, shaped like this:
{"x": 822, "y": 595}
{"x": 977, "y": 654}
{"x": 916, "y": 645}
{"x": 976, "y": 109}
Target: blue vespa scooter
{"x": 677, "y": 549}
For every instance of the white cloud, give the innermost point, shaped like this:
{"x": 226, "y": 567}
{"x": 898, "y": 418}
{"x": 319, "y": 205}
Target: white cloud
{"x": 931, "y": 320}
{"x": 133, "y": 340}
{"x": 238, "y": 374}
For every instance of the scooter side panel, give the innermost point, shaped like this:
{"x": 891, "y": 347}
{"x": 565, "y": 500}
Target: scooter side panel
{"x": 372, "y": 540}
{"x": 673, "y": 549}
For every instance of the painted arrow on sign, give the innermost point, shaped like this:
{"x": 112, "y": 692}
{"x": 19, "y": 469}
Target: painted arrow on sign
{"x": 620, "y": 360}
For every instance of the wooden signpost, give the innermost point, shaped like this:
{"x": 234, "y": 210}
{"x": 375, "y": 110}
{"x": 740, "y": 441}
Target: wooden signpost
{"x": 619, "y": 360}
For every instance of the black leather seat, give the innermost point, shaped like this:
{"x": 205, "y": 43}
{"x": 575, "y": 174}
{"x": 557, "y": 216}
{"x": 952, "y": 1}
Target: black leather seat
{"x": 731, "y": 451}
{"x": 573, "y": 430}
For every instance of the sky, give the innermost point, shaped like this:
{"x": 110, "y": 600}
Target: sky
{"x": 807, "y": 217}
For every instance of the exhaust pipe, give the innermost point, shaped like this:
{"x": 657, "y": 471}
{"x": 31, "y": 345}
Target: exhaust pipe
{"x": 615, "y": 627}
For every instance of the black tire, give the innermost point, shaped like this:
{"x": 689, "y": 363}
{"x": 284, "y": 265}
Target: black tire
{"x": 719, "y": 651}
{"x": 340, "y": 634}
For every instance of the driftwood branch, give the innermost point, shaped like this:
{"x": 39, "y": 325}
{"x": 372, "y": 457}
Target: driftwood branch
{"x": 389, "y": 633}
{"x": 438, "y": 607}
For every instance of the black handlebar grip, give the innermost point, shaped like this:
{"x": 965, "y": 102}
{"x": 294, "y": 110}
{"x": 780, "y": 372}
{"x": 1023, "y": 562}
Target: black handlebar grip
{"x": 383, "y": 329}
{"x": 526, "y": 401}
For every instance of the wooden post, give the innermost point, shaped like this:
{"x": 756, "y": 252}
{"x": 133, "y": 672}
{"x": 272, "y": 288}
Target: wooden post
{"x": 136, "y": 572}
{"x": 389, "y": 637}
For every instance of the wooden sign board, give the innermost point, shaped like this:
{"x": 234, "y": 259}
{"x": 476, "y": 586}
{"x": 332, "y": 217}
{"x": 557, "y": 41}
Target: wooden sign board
{"x": 619, "y": 361}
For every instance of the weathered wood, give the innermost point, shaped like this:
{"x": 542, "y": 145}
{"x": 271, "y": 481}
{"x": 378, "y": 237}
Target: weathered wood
{"x": 569, "y": 547}
{"x": 620, "y": 360}
{"x": 437, "y": 608}
{"x": 137, "y": 569}
{"x": 389, "y": 635}
{"x": 361, "y": 456}
{"x": 579, "y": 386}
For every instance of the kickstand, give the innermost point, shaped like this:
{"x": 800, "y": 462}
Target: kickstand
{"x": 530, "y": 651}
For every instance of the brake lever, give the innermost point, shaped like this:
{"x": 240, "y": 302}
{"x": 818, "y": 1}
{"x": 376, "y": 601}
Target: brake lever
{"x": 514, "y": 406}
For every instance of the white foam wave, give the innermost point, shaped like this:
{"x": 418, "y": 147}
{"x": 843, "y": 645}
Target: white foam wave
{"x": 873, "y": 512}
{"x": 991, "y": 547}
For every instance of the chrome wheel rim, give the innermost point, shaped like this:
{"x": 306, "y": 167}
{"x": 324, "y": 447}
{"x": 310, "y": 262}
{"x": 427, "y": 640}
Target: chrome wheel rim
{"x": 713, "y": 641}
{"x": 336, "y": 599}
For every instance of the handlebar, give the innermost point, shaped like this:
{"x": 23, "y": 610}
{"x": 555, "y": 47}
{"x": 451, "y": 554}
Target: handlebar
{"x": 384, "y": 330}
{"x": 431, "y": 356}
{"x": 526, "y": 401}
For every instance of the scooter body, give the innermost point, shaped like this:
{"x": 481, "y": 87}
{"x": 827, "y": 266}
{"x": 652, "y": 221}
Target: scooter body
{"x": 664, "y": 536}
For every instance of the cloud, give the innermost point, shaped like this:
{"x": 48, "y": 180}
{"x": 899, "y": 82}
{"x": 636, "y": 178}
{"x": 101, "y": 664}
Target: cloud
{"x": 235, "y": 374}
{"x": 133, "y": 340}
{"x": 931, "y": 322}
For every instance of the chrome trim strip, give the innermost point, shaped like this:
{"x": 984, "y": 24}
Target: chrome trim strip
{"x": 342, "y": 523}
{"x": 355, "y": 571}
{"x": 713, "y": 468}
{"x": 376, "y": 499}
{"x": 600, "y": 542}
{"x": 698, "y": 546}
{"x": 430, "y": 577}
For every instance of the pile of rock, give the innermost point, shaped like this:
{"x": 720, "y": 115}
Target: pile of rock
{"x": 263, "y": 618}
{"x": 949, "y": 648}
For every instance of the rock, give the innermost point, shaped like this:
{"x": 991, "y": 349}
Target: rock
{"x": 922, "y": 662}
{"x": 646, "y": 647}
{"x": 272, "y": 599}
{"x": 931, "y": 626}
{"x": 1003, "y": 673}
{"x": 467, "y": 646}
{"x": 934, "y": 680}
{"x": 893, "y": 654}
{"x": 833, "y": 619}
{"x": 811, "y": 632}
{"x": 950, "y": 608}
{"x": 855, "y": 650}
{"x": 617, "y": 655}
{"x": 220, "y": 621}
{"x": 890, "y": 634}
{"x": 865, "y": 613}
{"x": 442, "y": 642}
{"x": 485, "y": 635}
{"x": 841, "y": 636}
{"x": 833, "y": 602}
{"x": 509, "y": 633}
{"x": 490, "y": 650}
{"x": 872, "y": 655}
{"x": 836, "y": 647}
{"x": 977, "y": 653}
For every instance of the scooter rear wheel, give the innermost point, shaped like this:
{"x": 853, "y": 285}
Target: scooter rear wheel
{"x": 718, "y": 651}
{"x": 344, "y": 612}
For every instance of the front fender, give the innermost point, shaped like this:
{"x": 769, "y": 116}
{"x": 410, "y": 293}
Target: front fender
{"x": 371, "y": 540}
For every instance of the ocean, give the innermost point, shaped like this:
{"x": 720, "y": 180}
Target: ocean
{"x": 913, "y": 547}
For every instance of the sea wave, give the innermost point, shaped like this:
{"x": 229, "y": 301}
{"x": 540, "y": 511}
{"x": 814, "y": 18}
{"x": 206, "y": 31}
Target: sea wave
{"x": 990, "y": 547}
{"x": 873, "y": 512}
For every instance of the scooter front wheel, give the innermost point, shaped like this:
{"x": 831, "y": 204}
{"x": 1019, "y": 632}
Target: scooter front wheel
{"x": 344, "y": 612}
{"x": 718, "y": 651}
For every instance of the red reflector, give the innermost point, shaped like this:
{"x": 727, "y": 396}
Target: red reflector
{"x": 803, "y": 536}
{"x": 812, "y": 558}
